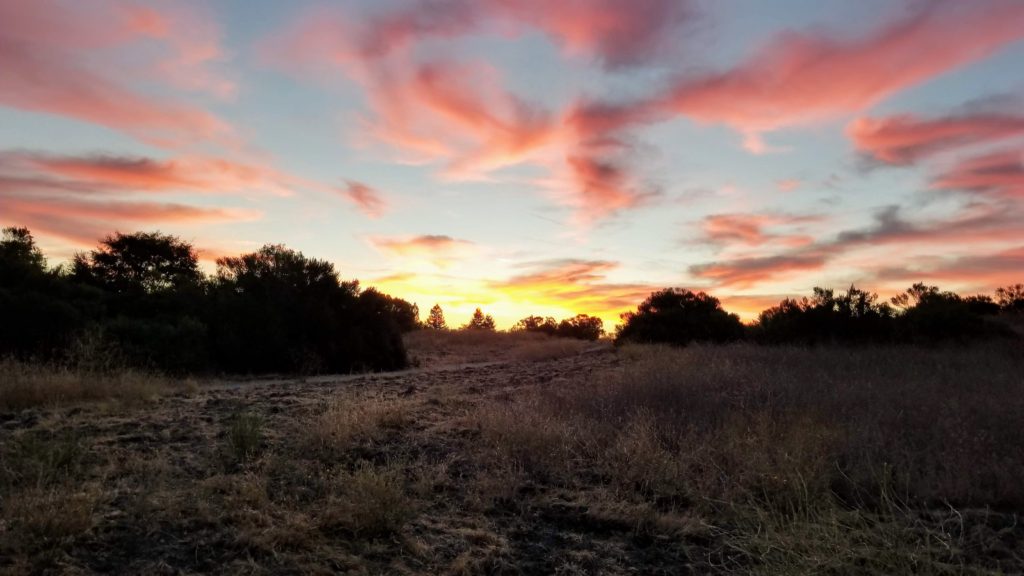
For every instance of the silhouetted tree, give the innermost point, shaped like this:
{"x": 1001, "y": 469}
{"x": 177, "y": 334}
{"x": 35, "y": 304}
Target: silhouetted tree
{"x": 19, "y": 256}
{"x": 139, "y": 262}
{"x": 40, "y": 312}
{"x": 931, "y": 315}
{"x": 480, "y": 322}
{"x": 1011, "y": 298}
{"x": 678, "y": 316}
{"x": 406, "y": 316}
{"x": 435, "y": 321}
{"x": 582, "y": 327}
{"x": 536, "y": 324}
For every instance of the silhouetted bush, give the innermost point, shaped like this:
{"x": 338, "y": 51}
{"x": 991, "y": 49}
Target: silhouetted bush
{"x": 677, "y": 316}
{"x": 931, "y": 315}
{"x": 855, "y": 316}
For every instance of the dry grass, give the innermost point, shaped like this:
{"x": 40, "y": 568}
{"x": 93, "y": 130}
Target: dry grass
{"x": 731, "y": 460}
{"x": 432, "y": 347}
{"x": 25, "y": 385}
{"x": 349, "y": 419}
{"x": 805, "y": 461}
{"x": 370, "y": 502}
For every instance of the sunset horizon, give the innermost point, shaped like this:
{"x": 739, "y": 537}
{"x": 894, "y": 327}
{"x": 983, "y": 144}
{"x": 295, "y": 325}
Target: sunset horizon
{"x": 529, "y": 159}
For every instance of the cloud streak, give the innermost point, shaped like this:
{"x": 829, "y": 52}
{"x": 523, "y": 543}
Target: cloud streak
{"x": 67, "y": 59}
{"x": 906, "y": 139}
{"x": 367, "y": 199}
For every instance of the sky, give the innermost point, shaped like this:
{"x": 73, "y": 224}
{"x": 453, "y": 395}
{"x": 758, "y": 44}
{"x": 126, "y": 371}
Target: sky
{"x": 531, "y": 157}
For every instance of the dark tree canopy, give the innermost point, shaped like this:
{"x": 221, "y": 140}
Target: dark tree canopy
{"x": 678, "y": 316}
{"x": 537, "y": 324}
{"x": 851, "y": 316}
{"x": 479, "y": 321}
{"x": 581, "y": 327}
{"x": 19, "y": 255}
{"x": 1011, "y": 298}
{"x": 278, "y": 311}
{"x": 139, "y": 262}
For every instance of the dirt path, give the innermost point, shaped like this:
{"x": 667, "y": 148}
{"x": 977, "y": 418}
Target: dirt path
{"x": 165, "y": 499}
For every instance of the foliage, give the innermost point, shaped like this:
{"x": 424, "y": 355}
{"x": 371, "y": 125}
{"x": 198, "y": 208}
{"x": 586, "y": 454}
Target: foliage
{"x": 479, "y": 321}
{"x": 678, "y": 316}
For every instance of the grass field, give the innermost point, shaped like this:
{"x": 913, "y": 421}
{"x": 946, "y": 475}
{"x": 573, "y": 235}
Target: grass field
{"x": 513, "y": 455}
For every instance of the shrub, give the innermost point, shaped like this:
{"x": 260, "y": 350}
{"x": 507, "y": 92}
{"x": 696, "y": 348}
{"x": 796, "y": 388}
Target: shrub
{"x": 677, "y": 316}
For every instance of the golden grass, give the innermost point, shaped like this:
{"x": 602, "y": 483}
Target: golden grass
{"x": 370, "y": 501}
{"x": 349, "y": 419}
{"x": 24, "y": 385}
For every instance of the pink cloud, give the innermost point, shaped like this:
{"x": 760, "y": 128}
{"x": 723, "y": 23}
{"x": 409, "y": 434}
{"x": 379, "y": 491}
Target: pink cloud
{"x": 741, "y": 273}
{"x": 752, "y": 229}
{"x": 906, "y": 139}
{"x": 60, "y": 58}
{"x": 788, "y": 185}
{"x": 439, "y": 250}
{"x": 574, "y": 285}
{"x": 999, "y": 173}
{"x": 617, "y": 34}
{"x": 83, "y": 222}
{"x": 459, "y": 114}
{"x": 802, "y": 77}
{"x": 367, "y": 199}
{"x": 983, "y": 271}
{"x": 977, "y": 226}
{"x": 100, "y": 173}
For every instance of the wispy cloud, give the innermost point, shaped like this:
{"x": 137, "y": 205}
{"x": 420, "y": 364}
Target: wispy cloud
{"x": 906, "y": 139}
{"x": 437, "y": 249}
{"x": 69, "y": 59}
{"x": 367, "y": 199}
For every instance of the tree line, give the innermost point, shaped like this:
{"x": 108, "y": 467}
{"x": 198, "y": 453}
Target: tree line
{"x": 580, "y": 326}
{"x": 141, "y": 300}
{"x": 921, "y": 314}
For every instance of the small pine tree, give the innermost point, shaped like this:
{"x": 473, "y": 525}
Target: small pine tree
{"x": 480, "y": 322}
{"x": 435, "y": 321}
